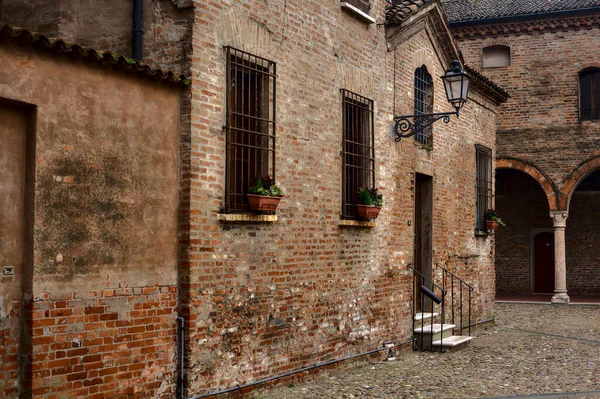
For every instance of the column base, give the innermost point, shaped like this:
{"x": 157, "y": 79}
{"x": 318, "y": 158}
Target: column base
{"x": 560, "y": 297}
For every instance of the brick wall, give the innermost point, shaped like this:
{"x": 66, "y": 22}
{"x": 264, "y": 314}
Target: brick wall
{"x": 539, "y": 125}
{"x": 266, "y": 298}
{"x": 10, "y": 338}
{"x": 117, "y": 343}
{"x": 540, "y": 122}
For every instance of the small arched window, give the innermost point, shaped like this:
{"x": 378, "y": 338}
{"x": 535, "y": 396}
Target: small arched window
{"x": 496, "y": 56}
{"x": 589, "y": 93}
{"x": 423, "y": 103}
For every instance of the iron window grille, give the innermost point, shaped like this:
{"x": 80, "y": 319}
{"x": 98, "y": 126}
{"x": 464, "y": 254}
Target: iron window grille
{"x": 363, "y": 5}
{"x": 589, "y": 93}
{"x": 250, "y": 125}
{"x": 358, "y": 150}
{"x": 423, "y": 104}
{"x": 484, "y": 184}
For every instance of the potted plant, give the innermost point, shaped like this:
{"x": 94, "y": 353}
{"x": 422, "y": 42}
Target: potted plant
{"x": 492, "y": 220}
{"x": 264, "y": 195}
{"x": 369, "y": 203}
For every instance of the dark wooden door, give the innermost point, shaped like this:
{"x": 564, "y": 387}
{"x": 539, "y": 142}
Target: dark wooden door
{"x": 543, "y": 258}
{"x": 423, "y": 236}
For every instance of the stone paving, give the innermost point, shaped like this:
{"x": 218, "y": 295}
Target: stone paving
{"x": 533, "y": 351}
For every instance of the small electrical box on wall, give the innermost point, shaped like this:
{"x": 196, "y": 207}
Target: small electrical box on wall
{"x": 8, "y": 270}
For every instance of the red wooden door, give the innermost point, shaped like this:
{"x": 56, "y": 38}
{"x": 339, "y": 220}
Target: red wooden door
{"x": 543, "y": 255}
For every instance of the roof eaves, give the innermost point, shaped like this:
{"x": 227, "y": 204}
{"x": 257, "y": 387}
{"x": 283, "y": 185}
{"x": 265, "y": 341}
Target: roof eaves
{"x": 396, "y": 14}
{"x": 24, "y": 36}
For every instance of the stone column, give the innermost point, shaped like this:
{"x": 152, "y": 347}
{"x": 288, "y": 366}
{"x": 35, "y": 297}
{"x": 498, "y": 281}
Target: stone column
{"x": 559, "y": 219}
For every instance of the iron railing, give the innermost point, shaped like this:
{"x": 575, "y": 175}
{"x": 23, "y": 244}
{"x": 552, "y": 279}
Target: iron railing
{"x": 420, "y": 285}
{"x": 454, "y": 287}
{"x": 457, "y": 287}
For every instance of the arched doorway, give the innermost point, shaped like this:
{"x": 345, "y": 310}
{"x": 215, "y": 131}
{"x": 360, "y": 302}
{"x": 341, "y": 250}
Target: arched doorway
{"x": 523, "y": 205}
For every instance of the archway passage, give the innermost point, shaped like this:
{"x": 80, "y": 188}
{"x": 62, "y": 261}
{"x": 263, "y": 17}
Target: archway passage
{"x": 523, "y": 206}
{"x": 583, "y": 237}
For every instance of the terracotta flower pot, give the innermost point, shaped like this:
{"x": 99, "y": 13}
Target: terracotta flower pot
{"x": 491, "y": 225}
{"x": 263, "y": 203}
{"x": 367, "y": 211}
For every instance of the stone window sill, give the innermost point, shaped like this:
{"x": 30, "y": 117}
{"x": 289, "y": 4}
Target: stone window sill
{"x": 355, "y": 11}
{"x": 246, "y": 217}
{"x": 357, "y": 223}
{"x": 481, "y": 233}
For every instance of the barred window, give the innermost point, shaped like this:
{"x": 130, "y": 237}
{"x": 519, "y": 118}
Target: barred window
{"x": 484, "y": 184}
{"x": 358, "y": 150}
{"x": 250, "y": 125}
{"x": 589, "y": 94}
{"x": 423, "y": 103}
{"x": 362, "y": 5}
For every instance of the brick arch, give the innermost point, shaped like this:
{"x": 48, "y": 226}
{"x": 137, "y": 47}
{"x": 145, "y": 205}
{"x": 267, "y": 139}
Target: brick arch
{"x": 529, "y": 169}
{"x": 570, "y": 184}
{"x": 495, "y": 42}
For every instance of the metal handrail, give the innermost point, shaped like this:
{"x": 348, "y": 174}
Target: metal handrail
{"x": 422, "y": 330}
{"x": 461, "y": 284}
{"x": 426, "y": 278}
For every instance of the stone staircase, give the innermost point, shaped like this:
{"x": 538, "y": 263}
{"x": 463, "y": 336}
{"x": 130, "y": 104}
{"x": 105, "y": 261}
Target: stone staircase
{"x": 432, "y": 336}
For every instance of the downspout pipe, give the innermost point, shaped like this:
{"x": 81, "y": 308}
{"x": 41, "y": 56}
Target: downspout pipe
{"x": 138, "y": 30}
{"x": 181, "y": 373}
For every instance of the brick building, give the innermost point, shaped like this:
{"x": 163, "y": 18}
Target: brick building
{"x": 304, "y": 92}
{"x": 545, "y": 54}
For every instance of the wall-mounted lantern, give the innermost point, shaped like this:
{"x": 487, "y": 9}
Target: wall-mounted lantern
{"x": 456, "y": 83}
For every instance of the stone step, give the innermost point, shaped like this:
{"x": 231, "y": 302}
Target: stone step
{"x": 437, "y": 328}
{"x": 452, "y": 341}
{"x": 424, "y": 316}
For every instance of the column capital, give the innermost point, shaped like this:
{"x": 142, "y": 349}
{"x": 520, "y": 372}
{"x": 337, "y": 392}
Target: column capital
{"x": 559, "y": 218}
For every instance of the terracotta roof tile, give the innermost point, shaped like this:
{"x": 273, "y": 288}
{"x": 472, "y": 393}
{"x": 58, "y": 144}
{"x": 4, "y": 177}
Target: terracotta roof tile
{"x": 401, "y": 10}
{"x": 475, "y": 10}
{"x": 23, "y": 36}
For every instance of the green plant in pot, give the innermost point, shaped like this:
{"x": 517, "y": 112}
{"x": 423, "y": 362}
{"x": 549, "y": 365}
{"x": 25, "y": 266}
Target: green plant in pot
{"x": 369, "y": 203}
{"x": 264, "y": 195}
{"x": 492, "y": 220}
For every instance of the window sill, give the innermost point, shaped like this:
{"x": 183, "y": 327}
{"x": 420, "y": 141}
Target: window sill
{"x": 481, "y": 233}
{"x": 357, "y": 223}
{"x": 355, "y": 11}
{"x": 246, "y": 217}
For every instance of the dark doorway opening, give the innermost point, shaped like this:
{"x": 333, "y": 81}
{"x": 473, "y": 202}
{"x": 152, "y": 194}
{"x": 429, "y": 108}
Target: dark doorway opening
{"x": 423, "y": 235}
{"x": 543, "y": 261}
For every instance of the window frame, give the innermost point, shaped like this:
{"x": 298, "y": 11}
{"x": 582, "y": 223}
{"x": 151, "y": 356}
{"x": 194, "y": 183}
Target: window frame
{"x": 594, "y": 94}
{"x": 423, "y": 104}
{"x": 358, "y": 142}
{"x": 250, "y": 125}
{"x": 361, "y": 5}
{"x": 483, "y": 184}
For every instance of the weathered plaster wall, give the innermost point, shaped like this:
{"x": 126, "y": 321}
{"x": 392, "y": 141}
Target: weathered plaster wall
{"x": 105, "y": 248}
{"x": 268, "y": 298}
{"x": 107, "y": 26}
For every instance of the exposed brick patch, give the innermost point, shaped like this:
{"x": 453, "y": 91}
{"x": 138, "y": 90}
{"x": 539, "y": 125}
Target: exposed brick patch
{"x": 117, "y": 344}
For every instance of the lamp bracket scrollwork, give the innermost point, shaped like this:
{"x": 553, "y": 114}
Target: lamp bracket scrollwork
{"x": 404, "y": 127}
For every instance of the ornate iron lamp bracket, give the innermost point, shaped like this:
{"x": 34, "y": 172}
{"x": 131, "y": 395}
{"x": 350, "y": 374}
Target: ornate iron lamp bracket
{"x": 405, "y": 128}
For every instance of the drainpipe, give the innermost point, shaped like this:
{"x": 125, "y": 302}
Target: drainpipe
{"x": 138, "y": 30}
{"x": 181, "y": 374}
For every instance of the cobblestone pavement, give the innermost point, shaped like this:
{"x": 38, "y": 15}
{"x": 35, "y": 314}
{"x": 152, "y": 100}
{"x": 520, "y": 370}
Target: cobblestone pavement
{"x": 533, "y": 351}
